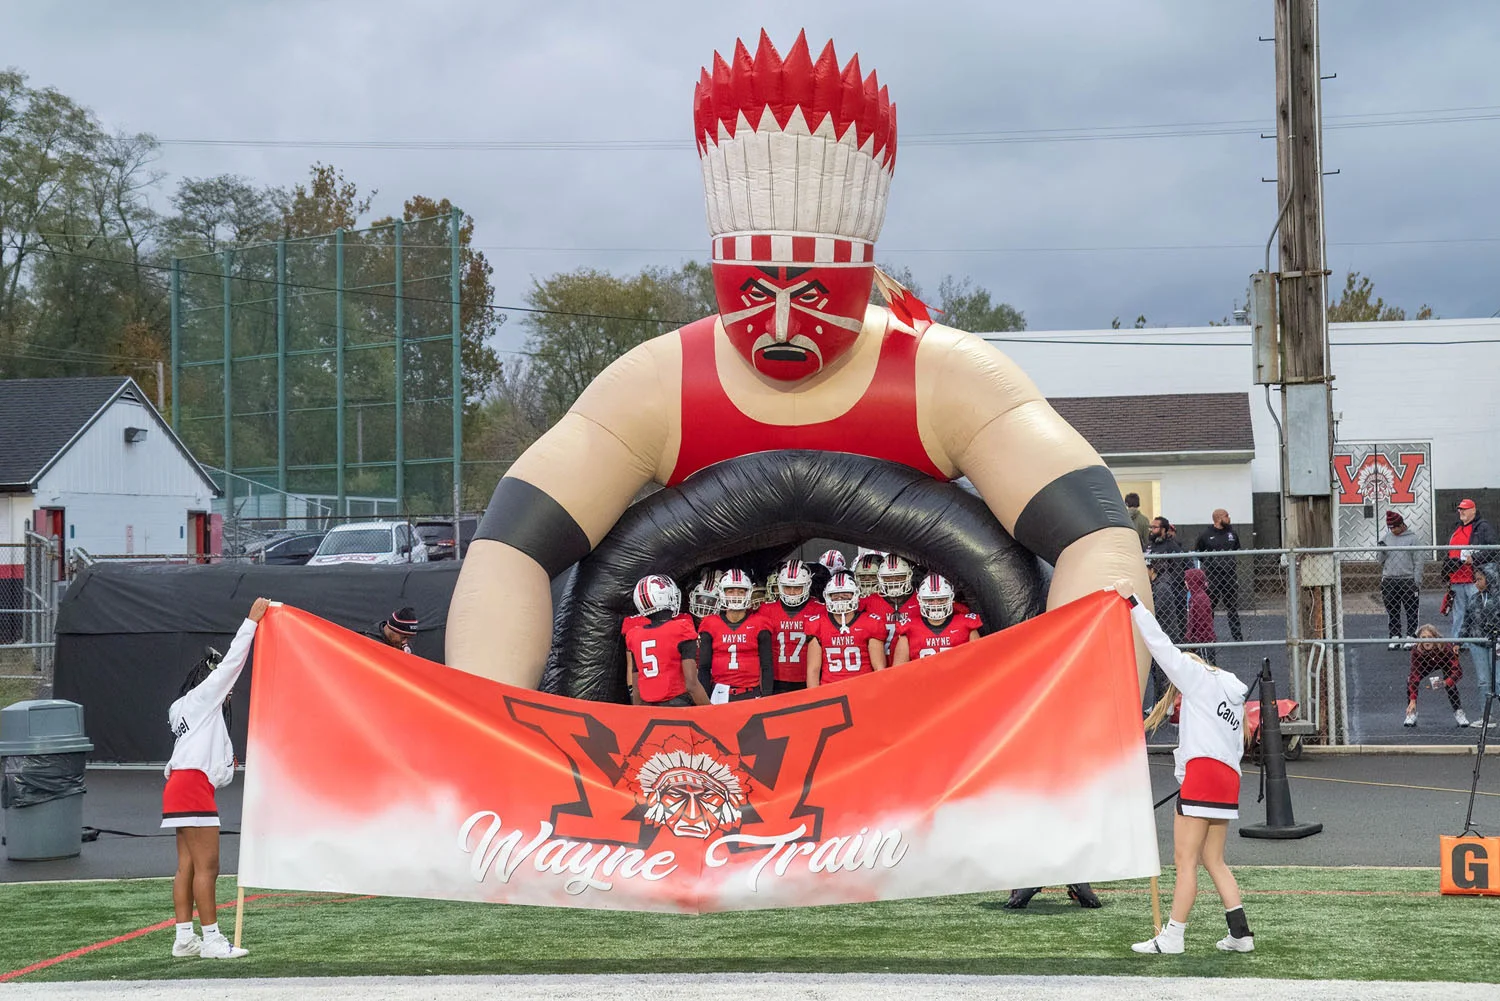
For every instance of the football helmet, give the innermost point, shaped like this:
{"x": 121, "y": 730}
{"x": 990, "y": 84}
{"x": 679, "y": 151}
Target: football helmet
{"x": 895, "y": 576}
{"x": 771, "y": 587}
{"x": 656, "y": 593}
{"x": 841, "y": 594}
{"x": 703, "y": 599}
{"x": 935, "y": 597}
{"x": 736, "y": 590}
{"x": 833, "y": 560}
{"x": 867, "y": 573}
{"x": 794, "y": 584}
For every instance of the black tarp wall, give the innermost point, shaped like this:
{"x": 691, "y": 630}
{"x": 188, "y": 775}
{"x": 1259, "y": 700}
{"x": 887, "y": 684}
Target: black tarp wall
{"x": 128, "y": 633}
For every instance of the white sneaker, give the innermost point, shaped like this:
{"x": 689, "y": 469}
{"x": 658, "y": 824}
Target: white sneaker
{"x": 218, "y": 947}
{"x": 1411, "y": 719}
{"x": 1231, "y": 944}
{"x": 1460, "y": 718}
{"x": 1160, "y": 945}
{"x": 187, "y": 947}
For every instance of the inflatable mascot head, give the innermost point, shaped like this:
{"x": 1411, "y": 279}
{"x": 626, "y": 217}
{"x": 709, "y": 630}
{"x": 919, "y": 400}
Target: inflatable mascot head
{"x": 797, "y": 160}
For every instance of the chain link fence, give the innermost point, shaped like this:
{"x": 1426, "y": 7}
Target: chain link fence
{"x": 1353, "y": 665}
{"x": 30, "y": 575}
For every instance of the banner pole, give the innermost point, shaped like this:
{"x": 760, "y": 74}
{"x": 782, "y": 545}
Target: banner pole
{"x": 1155, "y": 909}
{"x": 239, "y": 914}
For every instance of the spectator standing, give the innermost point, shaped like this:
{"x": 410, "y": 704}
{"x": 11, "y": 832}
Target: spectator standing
{"x": 1483, "y": 619}
{"x": 1462, "y": 560}
{"x": 1139, "y": 520}
{"x": 1400, "y": 576}
{"x": 398, "y": 630}
{"x": 1200, "y": 612}
{"x": 1223, "y": 574}
{"x": 1168, "y": 592}
{"x": 1437, "y": 662}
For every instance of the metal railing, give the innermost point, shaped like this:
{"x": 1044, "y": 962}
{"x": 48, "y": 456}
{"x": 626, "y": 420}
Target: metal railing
{"x": 29, "y": 592}
{"x": 1340, "y": 641}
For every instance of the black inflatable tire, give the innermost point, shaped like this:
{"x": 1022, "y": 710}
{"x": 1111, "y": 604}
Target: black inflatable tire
{"x": 780, "y": 499}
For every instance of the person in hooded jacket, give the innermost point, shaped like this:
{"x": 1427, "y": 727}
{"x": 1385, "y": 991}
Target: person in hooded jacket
{"x": 1482, "y": 618}
{"x": 203, "y": 761}
{"x": 1210, "y": 743}
{"x": 1200, "y": 611}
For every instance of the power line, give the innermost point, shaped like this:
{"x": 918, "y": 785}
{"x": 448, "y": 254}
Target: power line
{"x": 683, "y": 322}
{"x": 1167, "y": 130}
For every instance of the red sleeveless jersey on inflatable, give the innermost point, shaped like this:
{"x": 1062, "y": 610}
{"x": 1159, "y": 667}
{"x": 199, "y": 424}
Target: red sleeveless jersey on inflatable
{"x": 882, "y": 424}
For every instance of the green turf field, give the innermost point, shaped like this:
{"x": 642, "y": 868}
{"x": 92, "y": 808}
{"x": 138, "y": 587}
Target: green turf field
{"x": 1358, "y": 924}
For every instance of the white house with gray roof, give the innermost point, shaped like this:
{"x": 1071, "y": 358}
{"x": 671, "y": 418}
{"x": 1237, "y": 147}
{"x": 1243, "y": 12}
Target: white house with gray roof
{"x": 90, "y": 460}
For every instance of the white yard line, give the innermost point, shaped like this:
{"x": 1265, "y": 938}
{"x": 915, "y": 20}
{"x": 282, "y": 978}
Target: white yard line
{"x": 763, "y": 987}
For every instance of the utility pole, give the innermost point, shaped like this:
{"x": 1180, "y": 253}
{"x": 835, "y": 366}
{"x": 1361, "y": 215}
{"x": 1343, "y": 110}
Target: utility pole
{"x": 1306, "y": 378}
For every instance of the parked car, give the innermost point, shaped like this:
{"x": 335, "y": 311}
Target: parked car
{"x": 292, "y": 550}
{"x": 438, "y": 535}
{"x": 373, "y": 542}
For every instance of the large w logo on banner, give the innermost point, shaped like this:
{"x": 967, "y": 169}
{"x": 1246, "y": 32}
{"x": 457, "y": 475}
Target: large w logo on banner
{"x": 1017, "y": 760}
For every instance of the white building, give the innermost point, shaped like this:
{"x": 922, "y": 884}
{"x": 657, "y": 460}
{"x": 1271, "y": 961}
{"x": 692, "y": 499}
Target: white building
{"x": 1418, "y": 381}
{"x": 90, "y": 460}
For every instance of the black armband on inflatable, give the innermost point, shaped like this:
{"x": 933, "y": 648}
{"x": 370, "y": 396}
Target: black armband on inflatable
{"x": 1072, "y": 506}
{"x": 525, "y": 518}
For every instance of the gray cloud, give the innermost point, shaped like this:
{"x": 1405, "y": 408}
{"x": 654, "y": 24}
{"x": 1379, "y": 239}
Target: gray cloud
{"x": 342, "y": 69}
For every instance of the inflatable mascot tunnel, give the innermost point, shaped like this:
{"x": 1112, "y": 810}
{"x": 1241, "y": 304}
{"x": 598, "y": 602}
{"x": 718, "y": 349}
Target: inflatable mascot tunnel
{"x": 798, "y": 412}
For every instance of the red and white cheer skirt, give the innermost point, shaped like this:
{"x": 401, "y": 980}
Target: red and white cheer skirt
{"x": 188, "y": 800}
{"x": 1210, "y": 789}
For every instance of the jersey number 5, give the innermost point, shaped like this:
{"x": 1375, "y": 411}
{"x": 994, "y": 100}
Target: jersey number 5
{"x": 649, "y": 667}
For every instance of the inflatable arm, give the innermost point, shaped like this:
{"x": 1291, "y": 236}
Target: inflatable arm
{"x": 1043, "y": 481}
{"x": 552, "y": 507}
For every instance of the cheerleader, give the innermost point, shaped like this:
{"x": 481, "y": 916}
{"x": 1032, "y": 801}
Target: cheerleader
{"x": 1210, "y": 741}
{"x": 202, "y": 761}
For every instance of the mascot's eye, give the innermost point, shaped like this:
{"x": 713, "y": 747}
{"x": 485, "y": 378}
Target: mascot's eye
{"x": 756, "y": 294}
{"x": 810, "y": 297}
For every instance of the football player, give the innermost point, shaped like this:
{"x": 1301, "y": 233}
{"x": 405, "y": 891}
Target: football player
{"x": 661, "y": 648}
{"x": 848, "y": 642}
{"x": 833, "y": 561}
{"x": 793, "y": 620}
{"x": 893, "y": 587}
{"x": 867, "y": 573}
{"x": 938, "y": 627}
{"x": 703, "y": 599}
{"x": 734, "y": 645}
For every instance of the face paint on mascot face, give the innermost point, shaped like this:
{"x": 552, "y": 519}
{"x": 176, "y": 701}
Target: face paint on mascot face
{"x": 791, "y": 322}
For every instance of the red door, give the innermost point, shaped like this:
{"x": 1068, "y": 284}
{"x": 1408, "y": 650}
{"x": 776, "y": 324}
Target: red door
{"x": 198, "y": 535}
{"x": 50, "y": 523}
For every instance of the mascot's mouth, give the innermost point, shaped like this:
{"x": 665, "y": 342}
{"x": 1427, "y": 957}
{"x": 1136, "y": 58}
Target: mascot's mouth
{"x": 785, "y": 352}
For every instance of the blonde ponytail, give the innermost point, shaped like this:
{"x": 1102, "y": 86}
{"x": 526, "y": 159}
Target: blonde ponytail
{"x": 1162, "y": 709}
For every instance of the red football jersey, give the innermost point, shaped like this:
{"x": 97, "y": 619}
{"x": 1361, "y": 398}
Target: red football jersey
{"x": 890, "y": 614}
{"x": 922, "y": 640}
{"x": 846, "y": 649}
{"x": 656, "y": 648}
{"x": 790, "y": 631}
{"x": 736, "y": 650}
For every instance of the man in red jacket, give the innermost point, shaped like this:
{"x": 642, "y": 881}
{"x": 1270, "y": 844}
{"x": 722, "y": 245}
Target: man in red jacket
{"x": 1462, "y": 560}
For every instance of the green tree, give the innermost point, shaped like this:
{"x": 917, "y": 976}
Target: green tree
{"x": 583, "y": 320}
{"x": 969, "y": 307}
{"x": 1359, "y": 304}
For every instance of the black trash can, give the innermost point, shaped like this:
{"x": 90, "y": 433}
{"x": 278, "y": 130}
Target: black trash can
{"x": 42, "y": 750}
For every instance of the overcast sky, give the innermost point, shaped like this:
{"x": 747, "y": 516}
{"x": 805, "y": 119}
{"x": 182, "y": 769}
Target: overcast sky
{"x": 1064, "y": 230}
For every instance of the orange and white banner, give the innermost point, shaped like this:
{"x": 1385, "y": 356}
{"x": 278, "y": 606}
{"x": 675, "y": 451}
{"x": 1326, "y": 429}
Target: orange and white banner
{"x": 1016, "y": 760}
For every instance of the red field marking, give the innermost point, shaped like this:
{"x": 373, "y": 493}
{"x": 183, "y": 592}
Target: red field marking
{"x": 159, "y": 926}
